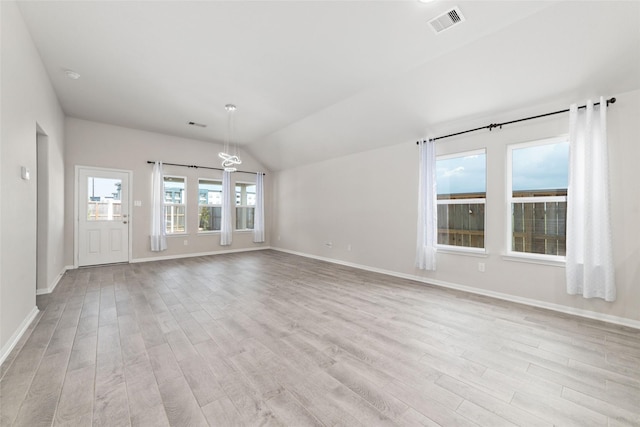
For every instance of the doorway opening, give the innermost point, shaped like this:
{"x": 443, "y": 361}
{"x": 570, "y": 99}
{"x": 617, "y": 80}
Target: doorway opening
{"x": 42, "y": 202}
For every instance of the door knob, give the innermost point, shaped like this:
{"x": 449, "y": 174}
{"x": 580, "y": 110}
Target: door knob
{"x": 124, "y": 222}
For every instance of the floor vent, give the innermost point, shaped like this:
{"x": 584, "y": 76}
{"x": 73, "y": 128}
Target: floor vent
{"x": 446, "y": 20}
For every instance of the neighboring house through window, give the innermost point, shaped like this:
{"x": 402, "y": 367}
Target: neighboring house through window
{"x": 175, "y": 206}
{"x": 209, "y": 204}
{"x": 245, "y": 205}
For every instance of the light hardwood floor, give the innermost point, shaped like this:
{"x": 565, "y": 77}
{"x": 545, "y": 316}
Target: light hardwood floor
{"x": 266, "y": 338}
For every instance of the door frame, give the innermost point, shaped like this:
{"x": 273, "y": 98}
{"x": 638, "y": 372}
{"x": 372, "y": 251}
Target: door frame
{"x": 76, "y": 209}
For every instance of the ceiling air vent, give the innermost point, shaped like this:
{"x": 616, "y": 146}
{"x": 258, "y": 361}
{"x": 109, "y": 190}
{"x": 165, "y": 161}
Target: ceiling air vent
{"x": 446, "y": 20}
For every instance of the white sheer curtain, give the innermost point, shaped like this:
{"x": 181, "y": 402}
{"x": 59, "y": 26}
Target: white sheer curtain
{"x": 589, "y": 259}
{"x": 226, "y": 227}
{"x": 158, "y": 229}
{"x": 427, "y": 208}
{"x": 258, "y": 218}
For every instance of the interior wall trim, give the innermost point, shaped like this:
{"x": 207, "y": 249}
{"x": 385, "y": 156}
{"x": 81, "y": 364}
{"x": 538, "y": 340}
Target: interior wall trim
{"x": 587, "y": 314}
{"x": 191, "y": 255}
{"x": 53, "y": 285}
{"x": 15, "y": 338}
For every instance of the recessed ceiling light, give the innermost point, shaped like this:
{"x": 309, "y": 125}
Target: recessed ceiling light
{"x": 72, "y": 74}
{"x": 426, "y": 1}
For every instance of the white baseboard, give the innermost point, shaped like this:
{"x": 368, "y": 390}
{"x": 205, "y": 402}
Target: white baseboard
{"x": 10, "y": 345}
{"x": 55, "y": 282}
{"x": 622, "y": 321}
{"x": 192, "y": 255}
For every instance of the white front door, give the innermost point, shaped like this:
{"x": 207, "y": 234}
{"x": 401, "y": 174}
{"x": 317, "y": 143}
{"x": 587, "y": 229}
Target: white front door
{"x": 103, "y": 216}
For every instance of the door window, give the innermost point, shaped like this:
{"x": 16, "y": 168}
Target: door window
{"x": 103, "y": 199}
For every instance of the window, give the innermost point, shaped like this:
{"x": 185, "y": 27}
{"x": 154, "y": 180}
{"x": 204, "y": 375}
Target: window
{"x": 245, "y": 205}
{"x": 175, "y": 204}
{"x": 104, "y": 201}
{"x": 461, "y": 181}
{"x": 537, "y": 196}
{"x": 209, "y": 205}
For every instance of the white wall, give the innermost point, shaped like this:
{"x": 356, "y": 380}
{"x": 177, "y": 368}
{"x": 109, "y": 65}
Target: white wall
{"x": 369, "y": 201}
{"x": 28, "y": 103}
{"x": 102, "y": 145}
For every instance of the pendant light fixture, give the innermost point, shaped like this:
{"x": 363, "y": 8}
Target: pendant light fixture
{"x": 230, "y": 160}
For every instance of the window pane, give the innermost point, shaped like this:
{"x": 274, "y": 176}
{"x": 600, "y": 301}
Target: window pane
{"x": 173, "y": 190}
{"x": 209, "y": 218}
{"x": 251, "y": 195}
{"x": 244, "y": 218}
{"x": 539, "y": 228}
{"x": 210, "y": 192}
{"x": 245, "y": 195}
{"x": 174, "y": 218}
{"x": 250, "y": 216}
{"x": 539, "y": 171}
{"x": 540, "y": 168}
{"x": 103, "y": 203}
{"x": 461, "y": 177}
{"x": 175, "y": 204}
{"x": 464, "y": 175}
{"x": 461, "y": 225}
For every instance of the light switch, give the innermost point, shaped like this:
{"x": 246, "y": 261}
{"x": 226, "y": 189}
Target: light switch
{"x": 24, "y": 172}
{"x": 137, "y": 203}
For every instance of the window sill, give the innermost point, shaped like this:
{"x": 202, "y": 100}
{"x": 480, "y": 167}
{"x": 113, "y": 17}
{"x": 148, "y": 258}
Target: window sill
{"x": 177, "y": 234}
{"x": 460, "y": 250}
{"x": 550, "y": 260}
{"x": 246, "y": 230}
{"x": 208, "y": 232}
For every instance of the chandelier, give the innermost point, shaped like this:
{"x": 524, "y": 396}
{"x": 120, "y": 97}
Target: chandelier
{"x": 229, "y": 160}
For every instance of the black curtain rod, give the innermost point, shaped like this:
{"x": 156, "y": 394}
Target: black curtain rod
{"x": 198, "y": 167}
{"x": 499, "y": 125}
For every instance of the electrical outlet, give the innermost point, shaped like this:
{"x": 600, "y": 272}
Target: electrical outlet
{"x": 349, "y": 247}
{"x": 481, "y": 267}
{"x": 186, "y": 242}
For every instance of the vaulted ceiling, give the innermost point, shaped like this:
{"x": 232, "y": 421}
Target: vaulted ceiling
{"x": 319, "y": 79}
